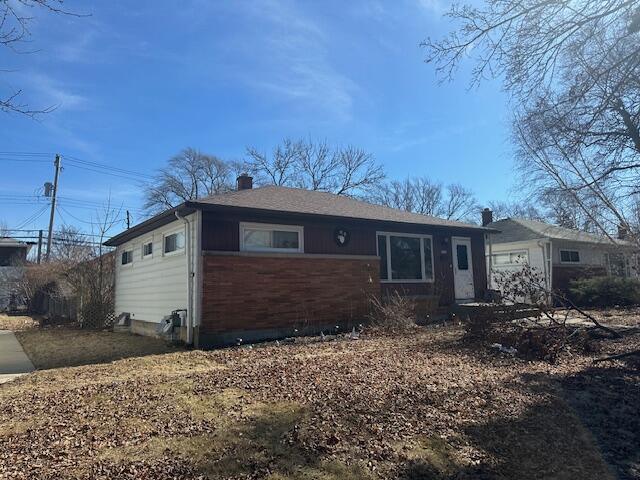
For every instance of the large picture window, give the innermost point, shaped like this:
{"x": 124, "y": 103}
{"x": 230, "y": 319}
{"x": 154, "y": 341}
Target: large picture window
{"x": 405, "y": 257}
{"x": 263, "y": 237}
{"x": 511, "y": 258}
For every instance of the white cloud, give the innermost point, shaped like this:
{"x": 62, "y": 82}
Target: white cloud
{"x": 77, "y": 49}
{"x": 286, "y": 54}
{"x": 433, "y": 7}
{"x": 50, "y": 93}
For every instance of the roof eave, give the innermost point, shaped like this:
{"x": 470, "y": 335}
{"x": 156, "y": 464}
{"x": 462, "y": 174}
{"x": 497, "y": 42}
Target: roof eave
{"x": 152, "y": 223}
{"x": 261, "y": 211}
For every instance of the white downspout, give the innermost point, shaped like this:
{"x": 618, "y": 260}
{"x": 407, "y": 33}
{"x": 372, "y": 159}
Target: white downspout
{"x": 490, "y": 273}
{"x": 189, "y": 278}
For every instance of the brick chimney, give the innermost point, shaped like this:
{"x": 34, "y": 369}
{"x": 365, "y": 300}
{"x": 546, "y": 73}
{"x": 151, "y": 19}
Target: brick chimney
{"x": 487, "y": 217}
{"x": 245, "y": 182}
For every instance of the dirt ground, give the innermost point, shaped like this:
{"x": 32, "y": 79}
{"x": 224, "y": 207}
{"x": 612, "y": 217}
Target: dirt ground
{"x": 412, "y": 406}
{"x": 618, "y": 316}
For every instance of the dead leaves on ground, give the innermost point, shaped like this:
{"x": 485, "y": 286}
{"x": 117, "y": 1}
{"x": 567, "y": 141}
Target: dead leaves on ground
{"x": 417, "y": 406}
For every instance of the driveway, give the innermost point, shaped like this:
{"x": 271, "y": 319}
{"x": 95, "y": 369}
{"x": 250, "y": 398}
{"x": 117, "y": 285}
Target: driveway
{"x": 13, "y": 361}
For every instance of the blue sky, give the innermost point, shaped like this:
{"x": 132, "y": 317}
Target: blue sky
{"x": 136, "y": 82}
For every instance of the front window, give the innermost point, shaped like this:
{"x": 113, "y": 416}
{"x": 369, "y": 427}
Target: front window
{"x": 569, "y": 256}
{"x": 147, "y": 249}
{"x": 174, "y": 242}
{"x": 405, "y": 258}
{"x": 265, "y": 238}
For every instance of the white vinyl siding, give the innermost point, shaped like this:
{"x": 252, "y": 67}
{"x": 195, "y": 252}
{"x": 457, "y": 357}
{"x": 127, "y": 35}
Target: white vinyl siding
{"x": 152, "y": 288}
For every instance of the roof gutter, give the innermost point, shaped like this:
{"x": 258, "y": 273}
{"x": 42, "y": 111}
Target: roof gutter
{"x": 152, "y": 223}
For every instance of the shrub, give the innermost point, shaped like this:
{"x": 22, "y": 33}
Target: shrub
{"x": 393, "y": 312}
{"x": 605, "y": 291}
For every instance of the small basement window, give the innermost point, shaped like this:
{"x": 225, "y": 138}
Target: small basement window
{"x": 174, "y": 242}
{"x": 127, "y": 257}
{"x": 262, "y": 237}
{"x": 569, "y": 256}
{"x": 147, "y": 249}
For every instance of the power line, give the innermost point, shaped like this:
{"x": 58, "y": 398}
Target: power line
{"x": 33, "y": 217}
{"x": 24, "y": 199}
{"x": 107, "y": 167}
{"x": 42, "y": 154}
{"x": 85, "y": 221}
{"x": 104, "y": 172}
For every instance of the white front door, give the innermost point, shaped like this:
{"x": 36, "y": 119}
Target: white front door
{"x": 462, "y": 268}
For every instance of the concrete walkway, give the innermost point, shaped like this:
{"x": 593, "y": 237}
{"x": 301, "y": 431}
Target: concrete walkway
{"x": 13, "y": 361}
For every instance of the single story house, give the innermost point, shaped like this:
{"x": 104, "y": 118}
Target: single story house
{"x": 560, "y": 254}
{"x": 257, "y": 263}
{"x": 13, "y": 256}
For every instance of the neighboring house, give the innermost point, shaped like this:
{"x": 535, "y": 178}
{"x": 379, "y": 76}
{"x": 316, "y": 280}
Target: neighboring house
{"x": 560, "y": 254}
{"x": 13, "y": 255}
{"x": 257, "y": 263}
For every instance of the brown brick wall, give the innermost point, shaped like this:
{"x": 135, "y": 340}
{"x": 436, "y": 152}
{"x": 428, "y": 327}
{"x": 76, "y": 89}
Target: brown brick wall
{"x": 242, "y": 292}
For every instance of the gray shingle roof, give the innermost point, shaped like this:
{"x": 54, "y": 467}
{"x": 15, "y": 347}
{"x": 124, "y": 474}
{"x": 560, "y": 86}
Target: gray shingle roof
{"x": 520, "y": 229}
{"x": 12, "y": 242}
{"x": 296, "y": 200}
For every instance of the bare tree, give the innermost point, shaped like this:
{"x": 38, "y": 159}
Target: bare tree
{"x": 572, "y": 69}
{"x": 421, "y": 195}
{"x": 397, "y": 194}
{"x": 16, "y": 17}
{"x": 70, "y": 246}
{"x": 460, "y": 204}
{"x": 502, "y": 210}
{"x": 314, "y": 165}
{"x": 189, "y": 175}
{"x": 80, "y": 269}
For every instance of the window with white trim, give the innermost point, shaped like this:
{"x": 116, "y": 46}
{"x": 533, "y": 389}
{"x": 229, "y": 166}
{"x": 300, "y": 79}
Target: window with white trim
{"x": 147, "y": 249}
{"x": 569, "y": 256}
{"x": 405, "y": 257}
{"x": 510, "y": 258}
{"x": 174, "y": 242}
{"x": 264, "y": 237}
{"x": 127, "y": 257}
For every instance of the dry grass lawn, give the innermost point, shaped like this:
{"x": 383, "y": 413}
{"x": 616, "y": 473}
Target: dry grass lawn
{"x": 56, "y": 347}
{"x": 418, "y": 406}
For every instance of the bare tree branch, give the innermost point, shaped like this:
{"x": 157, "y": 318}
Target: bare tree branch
{"x": 314, "y": 165}
{"x": 188, "y": 176}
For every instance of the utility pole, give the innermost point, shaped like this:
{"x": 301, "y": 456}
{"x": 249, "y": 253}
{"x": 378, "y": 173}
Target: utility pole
{"x": 39, "y": 246}
{"x": 128, "y": 220}
{"x": 53, "y": 207}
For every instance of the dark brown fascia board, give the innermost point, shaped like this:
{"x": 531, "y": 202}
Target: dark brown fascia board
{"x": 189, "y": 207}
{"x": 334, "y": 218}
{"x": 152, "y": 223}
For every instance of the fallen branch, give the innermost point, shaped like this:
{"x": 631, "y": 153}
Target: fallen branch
{"x": 616, "y": 357}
